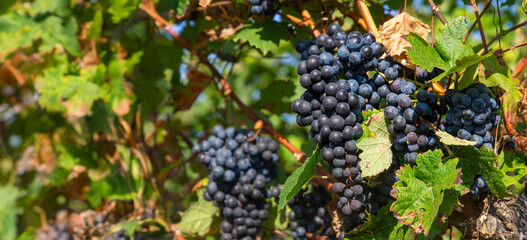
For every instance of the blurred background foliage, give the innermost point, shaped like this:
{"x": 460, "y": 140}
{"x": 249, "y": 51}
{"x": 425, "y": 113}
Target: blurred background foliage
{"x": 99, "y": 107}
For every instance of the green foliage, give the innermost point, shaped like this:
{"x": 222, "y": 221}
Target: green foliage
{"x": 421, "y": 190}
{"x": 299, "y": 177}
{"x": 513, "y": 165}
{"x": 448, "y": 41}
{"x": 448, "y": 139}
{"x": 423, "y": 54}
{"x": 199, "y": 216}
{"x": 8, "y": 212}
{"x": 100, "y": 107}
{"x": 376, "y": 151}
{"x": 264, "y": 36}
{"x": 481, "y": 162}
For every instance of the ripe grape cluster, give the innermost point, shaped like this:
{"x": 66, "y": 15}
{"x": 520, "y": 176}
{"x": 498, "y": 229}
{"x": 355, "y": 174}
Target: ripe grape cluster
{"x": 333, "y": 70}
{"x": 263, "y": 7}
{"x": 423, "y": 76}
{"x": 308, "y": 215}
{"x": 471, "y": 114}
{"x": 411, "y": 133}
{"x": 59, "y": 231}
{"x": 478, "y": 186}
{"x": 240, "y": 164}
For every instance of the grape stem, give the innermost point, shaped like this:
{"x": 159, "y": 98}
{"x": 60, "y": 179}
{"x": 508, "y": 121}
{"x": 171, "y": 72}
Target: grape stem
{"x": 503, "y": 33}
{"x": 149, "y": 8}
{"x": 474, "y": 23}
{"x": 483, "y": 41}
{"x": 366, "y": 15}
{"x": 436, "y": 11}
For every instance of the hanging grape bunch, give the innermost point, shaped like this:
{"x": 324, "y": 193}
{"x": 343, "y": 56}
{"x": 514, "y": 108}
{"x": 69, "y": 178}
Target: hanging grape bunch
{"x": 333, "y": 70}
{"x": 264, "y": 7}
{"x": 308, "y": 215}
{"x": 471, "y": 115}
{"x": 240, "y": 166}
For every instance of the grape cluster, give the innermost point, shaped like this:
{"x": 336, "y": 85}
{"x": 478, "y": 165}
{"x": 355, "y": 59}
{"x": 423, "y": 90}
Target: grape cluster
{"x": 333, "y": 70}
{"x": 471, "y": 114}
{"x": 240, "y": 164}
{"x": 263, "y": 7}
{"x": 58, "y": 231}
{"x": 308, "y": 214}
{"x": 423, "y": 76}
{"x": 478, "y": 186}
{"x": 411, "y": 134}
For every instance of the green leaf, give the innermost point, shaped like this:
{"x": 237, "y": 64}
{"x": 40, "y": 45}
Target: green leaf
{"x": 508, "y": 84}
{"x": 433, "y": 172}
{"x": 513, "y": 165}
{"x": 421, "y": 190}
{"x": 265, "y": 36}
{"x": 299, "y": 177}
{"x": 463, "y": 63}
{"x": 376, "y": 151}
{"x": 121, "y": 9}
{"x": 469, "y": 77}
{"x": 448, "y": 139}
{"x": 180, "y": 6}
{"x": 8, "y": 212}
{"x": 423, "y": 54}
{"x": 382, "y": 225}
{"x": 5, "y": 5}
{"x": 114, "y": 187}
{"x": 71, "y": 93}
{"x": 481, "y": 162}
{"x": 449, "y": 41}
{"x": 198, "y": 217}
{"x": 129, "y": 227}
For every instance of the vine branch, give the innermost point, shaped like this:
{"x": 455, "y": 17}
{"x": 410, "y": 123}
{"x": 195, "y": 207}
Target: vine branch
{"x": 502, "y": 34}
{"x": 149, "y": 8}
{"x": 368, "y": 19}
{"x": 483, "y": 41}
{"x": 474, "y": 23}
{"x": 436, "y": 11}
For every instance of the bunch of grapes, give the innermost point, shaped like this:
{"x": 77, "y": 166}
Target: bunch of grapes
{"x": 478, "y": 186}
{"x": 333, "y": 70}
{"x": 240, "y": 164}
{"x": 58, "y": 231}
{"x": 308, "y": 215}
{"x": 412, "y": 134}
{"x": 423, "y": 76}
{"x": 264, "y": 7}
{"x": 471, "y": 114}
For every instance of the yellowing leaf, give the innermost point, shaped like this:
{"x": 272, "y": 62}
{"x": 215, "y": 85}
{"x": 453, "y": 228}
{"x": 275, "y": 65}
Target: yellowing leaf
{"x": 393, "y": 32}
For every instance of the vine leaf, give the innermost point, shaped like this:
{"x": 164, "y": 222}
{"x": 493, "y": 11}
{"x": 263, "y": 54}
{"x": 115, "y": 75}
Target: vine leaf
{"x": 393, "y": 32}
{"x": 513, "y": 165}
{"x": 463, "y": 63}
{"x": 481, "y": 162}
{"x": 376, "y": 151}
{"x": 449, "y": 41}
{"x": 8, "y": 212}
{"x": 448, "y": 139}
{"x": 420, "y": 192}
{"x": 423, "y": 54}
{"x": 265, "y": 36}
{"x": 509, "y": 85}
{"x": 299, "y": 177}
{"x": 469, "y": 77}
{"x": 198, "y": 218}
{"x": 382, "y": 225}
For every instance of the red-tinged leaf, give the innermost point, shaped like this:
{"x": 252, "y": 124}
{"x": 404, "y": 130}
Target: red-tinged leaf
{"x": 186, "y": 96}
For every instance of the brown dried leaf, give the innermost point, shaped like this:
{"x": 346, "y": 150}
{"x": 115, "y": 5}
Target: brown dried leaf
{"x": 204, "y": 3}
{"x": 393, "y": 32}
